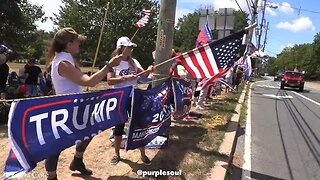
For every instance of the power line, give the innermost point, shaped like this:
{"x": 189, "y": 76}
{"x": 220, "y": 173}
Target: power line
{"x": 299, "y": 9}
{"x": 239, "y": 7}
{"x": 249, "y": 7}
{"x": 272, "y": 52}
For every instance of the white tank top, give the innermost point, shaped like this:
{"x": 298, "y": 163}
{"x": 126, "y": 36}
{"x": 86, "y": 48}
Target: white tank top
{"x": 61, "y": 84}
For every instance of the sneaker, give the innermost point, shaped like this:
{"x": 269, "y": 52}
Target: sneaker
{"x": 78, "y": 165}
{"x": 145, "y": 160}
{"x": 115, "y": 160}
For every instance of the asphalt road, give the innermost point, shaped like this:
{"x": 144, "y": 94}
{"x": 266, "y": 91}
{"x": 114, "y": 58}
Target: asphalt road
{"x": 282, "y": 135}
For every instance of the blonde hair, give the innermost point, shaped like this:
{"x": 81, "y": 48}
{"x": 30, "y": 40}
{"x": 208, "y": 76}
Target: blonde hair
{"x": 119, "y": 51}
{"x": 60, "y": 41}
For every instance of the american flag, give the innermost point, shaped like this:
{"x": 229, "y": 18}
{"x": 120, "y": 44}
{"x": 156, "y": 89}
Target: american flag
{"x": 144, "y": 20}
{"x": 211, "y": 59}
{"x": 205, "y": 82}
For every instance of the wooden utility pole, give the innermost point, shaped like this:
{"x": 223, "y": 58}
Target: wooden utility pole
{"x": 250, "y": 33}
{"x": 164, "y": 38}
{"x": 265, "y": 37}
{"x": 262, "y": 24}
{"x": 253, "y": 19}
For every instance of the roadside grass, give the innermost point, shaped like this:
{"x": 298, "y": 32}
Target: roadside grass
{"x": 193, "y": 147}
{"x": 244, "y": 108}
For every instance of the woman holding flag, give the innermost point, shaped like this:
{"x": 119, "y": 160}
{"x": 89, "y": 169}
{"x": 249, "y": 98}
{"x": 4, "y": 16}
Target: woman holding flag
{"x": 125, "y": 75}
{"x": 67, "y": 78}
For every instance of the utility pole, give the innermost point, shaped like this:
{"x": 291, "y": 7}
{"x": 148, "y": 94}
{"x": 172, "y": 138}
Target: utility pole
{"x": 253, "y": 19}
{"x": 164, "y": 42}
{"x": 265, "y": 37}
{"x": 262, "y": 22}
{"x": 250, "y": 31}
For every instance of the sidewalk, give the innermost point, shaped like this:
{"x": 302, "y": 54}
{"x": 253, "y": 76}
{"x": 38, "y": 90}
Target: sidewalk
{"x": 313, "y": 84}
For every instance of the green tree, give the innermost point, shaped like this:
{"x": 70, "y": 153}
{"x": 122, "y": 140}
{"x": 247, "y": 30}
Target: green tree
{"x": 186, "y": 32}
{"x": 315, "y": 61}
{"x": 87, "y": 16}
{"x": 187, "y": 29}
{"x": 17, "y": 23}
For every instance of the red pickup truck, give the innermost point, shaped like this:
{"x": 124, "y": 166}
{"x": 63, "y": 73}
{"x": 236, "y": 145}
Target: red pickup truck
{"x": 293, "y": 79}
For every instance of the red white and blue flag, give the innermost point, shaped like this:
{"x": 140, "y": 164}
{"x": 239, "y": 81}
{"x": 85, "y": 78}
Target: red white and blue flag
{"x": 213, "y": 58}
{"x": 204, "y": 36}
{"x": 205, "y": 82}
{"x": 144, "y": 20}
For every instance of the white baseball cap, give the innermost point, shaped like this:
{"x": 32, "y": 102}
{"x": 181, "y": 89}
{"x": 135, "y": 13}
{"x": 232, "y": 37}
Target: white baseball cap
{"x": 125, "y": 41}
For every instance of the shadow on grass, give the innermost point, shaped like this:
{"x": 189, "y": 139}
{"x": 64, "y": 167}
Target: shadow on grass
{"x": 3, "y": 130}
{"x": 229, "y": 127}
{"x": 222, "y": 108}
{"x": 185, "y": 143}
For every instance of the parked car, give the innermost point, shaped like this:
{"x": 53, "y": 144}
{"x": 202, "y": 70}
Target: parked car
{"x": 278, "y": 77}
{"x": 293, "y": 79}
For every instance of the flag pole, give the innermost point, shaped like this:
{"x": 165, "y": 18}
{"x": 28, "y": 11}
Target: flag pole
{"x": 250, "y": 26}
{"x": 247, "y": 46}
{"x": 131, "y": 39}
{"x": 100, "y": 37}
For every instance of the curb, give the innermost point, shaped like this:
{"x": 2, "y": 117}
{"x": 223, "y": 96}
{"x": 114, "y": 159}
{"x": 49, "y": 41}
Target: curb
{"x": 219, "y": 171}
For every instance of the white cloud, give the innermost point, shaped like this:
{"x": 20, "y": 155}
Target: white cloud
{"x": 271, "y": 11}
{"x": 286, "y": 8}
{"x": 181, "y": 12}
{"x": 49, "y": 7}
{"x": 230, "y": 4}
{"x": 301, "y": 24}
{"x": 290, "y": 45}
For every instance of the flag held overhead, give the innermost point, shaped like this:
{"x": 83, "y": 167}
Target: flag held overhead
{"x": 144, "y": 20}
{"x": 211, "y": 59}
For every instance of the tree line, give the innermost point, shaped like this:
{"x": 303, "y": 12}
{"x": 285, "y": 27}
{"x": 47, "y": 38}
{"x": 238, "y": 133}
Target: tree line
{"x": 19, "y": 32}
{"x": 304, "y": 57}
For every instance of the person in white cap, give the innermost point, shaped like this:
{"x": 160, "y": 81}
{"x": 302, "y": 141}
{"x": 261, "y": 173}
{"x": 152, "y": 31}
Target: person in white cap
{"x": 4, "y": 71}
{"x": 125, "y": 75}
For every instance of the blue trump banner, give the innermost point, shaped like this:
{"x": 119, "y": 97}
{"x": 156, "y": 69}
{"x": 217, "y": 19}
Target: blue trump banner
{"x": 182, "y": 91}
{"x": 41, "y": 127}
{"x": 151, "y": 115}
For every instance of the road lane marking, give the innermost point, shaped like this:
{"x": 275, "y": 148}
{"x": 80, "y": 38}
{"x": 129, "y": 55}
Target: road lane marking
{"x": 317, "y": 103}
{"x": 268, "y": 86}
{"x": 278, "y": 97}
{"x": 247, "y": 140}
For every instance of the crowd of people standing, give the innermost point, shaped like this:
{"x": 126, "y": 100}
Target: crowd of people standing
{"x": 66, "y": 77}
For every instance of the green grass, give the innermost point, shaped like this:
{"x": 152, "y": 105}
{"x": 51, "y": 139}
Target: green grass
{"x": 243, "y": 110}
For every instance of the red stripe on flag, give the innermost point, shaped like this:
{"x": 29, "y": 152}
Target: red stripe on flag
{"x": 208, "y": 81}
{"x": 206, "y": 60}
{"x": 195, "y": 62}
{"x": 184, "y": 63}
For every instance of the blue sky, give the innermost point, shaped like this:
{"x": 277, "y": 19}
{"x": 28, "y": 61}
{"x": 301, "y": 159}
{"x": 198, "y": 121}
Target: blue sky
{"x": 287, "y": 24}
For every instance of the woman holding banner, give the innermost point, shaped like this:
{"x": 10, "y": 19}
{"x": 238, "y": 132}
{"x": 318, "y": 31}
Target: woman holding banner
{"x": 125, "y": 75}
{"x": 67, "y": 78}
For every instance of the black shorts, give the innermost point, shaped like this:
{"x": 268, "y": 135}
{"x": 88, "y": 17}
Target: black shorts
{"x": 118, "y": 131}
